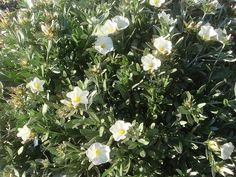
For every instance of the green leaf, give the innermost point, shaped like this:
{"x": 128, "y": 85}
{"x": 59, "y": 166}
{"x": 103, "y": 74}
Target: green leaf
{"x": 20, "y": 150}
{"x": 179, "y": 148}
{"x": 101, "y": 131}
{"x": 9, "y": 150}
{"x": 90, "y": 166}
{"x": 183, "y": 110}
{"x": 1, "y": 89}
{"x": 235, "y": 89}
{"x": 180, "y": 172}
{"x": 132, "y": 145}
{"x": 143, "y": 141}
{"x": 201, "y": 89}
{"x": 89, "y": 133}
{"x": 201, "y": 105}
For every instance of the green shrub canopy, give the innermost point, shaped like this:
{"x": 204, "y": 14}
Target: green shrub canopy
{"x": 118, "y": 88}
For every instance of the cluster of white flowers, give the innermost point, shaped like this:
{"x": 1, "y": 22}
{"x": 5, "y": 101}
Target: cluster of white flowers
{"x": 77, "y": 96}
{"x": 98, "y": 153}
{"x": 163, "y": 47}
{"x": 103, "y": 43}
{"x": 208, "y": 33}
{"x": 36, "y": 86}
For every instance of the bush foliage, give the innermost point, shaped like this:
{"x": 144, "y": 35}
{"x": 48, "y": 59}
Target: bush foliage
{"x": 180, "y": 114}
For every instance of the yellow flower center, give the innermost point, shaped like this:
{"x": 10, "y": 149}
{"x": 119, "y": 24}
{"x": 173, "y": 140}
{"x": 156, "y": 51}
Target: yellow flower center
{"x": 98, "y": 152}
{"x": 205, "y": 37}
{"x": 156, "y": 2}
{"x": 162, "y": 50}
{"x": 150, "y": 66}
{"x": 77, "y": 99}
{"x": 122, "y": 131}
{"x": 111, "y": 29}
{"x": 37, "y": 85}
{"x": 103, "y": 46}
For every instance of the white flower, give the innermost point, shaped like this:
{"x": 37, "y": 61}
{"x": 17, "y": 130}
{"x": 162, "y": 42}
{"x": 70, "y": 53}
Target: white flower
{"x": 98, "y": 153}
{"x": 226, "y": 150}
{"x": 24, "y": 133}
{"x": 119, "y": 130}
{"x": 36, "y": 85}
{"x": 207, "y": 32}
{"x": 156, "y": 3}
{"x": 104, "y": 44}
{"x": 121, "y": 22}
{"x": 109, "y": 27}
{"x": 166, "y": 18}
{"x": 162, "y": 45}
{"x": 150, "y": 63}
{"x": 78, "y": 96}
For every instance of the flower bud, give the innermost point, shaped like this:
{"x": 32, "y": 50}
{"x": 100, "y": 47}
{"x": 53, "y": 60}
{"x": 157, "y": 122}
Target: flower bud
{"x": 213, "y": 146}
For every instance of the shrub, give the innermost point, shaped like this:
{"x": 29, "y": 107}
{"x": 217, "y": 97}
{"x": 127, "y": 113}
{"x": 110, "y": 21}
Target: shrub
{"x": 118, "y": 88}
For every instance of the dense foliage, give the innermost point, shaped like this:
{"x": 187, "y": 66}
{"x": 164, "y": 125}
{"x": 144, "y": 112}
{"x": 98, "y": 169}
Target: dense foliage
{"x": 179, "y": 108}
